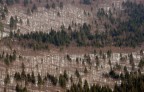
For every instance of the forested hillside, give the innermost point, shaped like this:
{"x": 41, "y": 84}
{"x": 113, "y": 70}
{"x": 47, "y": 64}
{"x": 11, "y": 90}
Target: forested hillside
{"x": 71, "y": 46}
{"x": 119, "y": 32}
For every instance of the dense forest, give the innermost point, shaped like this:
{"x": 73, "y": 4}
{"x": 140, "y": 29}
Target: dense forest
{"x": 132, "y": 82}
{"x": 133, "y": 28}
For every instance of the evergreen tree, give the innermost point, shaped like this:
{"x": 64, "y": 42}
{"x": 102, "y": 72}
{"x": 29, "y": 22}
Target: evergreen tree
{"x": 1, "y": 30}
{"x": 61, "y": 5}
{"x": 86, "y": 1}
{"x": 7, "y": 79}
{"x": 85, "y": 70}
{"x": 77, "y": 73}
{"x": 9, "y": 2}
{"x": 26, "y": 2}
{"x": 47, "y": 6}
{"x": 62, "y": 81}
{"x": 86, "y": 86}
{"x": 33, "y": 78}
{"x": 39, "y": 80}
{"x": 3, "y": 16}
{"x": 34, "y": 8}
{"x": 12, "y": 23}
{"x": 141, "y": 63}
{"x": 65, "y": 75}
{"x": 1, "y": 2}
{"x": 5, "y": 9}
{"x": 53, "y": 5}
{"x": 17, "y": 1}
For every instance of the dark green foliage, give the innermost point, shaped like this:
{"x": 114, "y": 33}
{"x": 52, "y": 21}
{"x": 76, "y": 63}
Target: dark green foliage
{"x": 53, "y": 5}
{"x": 132, "y": 27}
{"x": 33, "y": 80}
{"x": 3, "y": 12}
{"x": 1, "y": 2}
{"x": 109, "y": 52}
{"x": 113, "y": 74}
{"x": 131, "y": 59}
{"x": 8, "y": 58}
{"x": 97, "y": 61}
{"x": 20, "y": 88}
{"x": 62, "y": 81}
{"x": 85, "y": 88}
{"x": 65, "y": 75}
{"x": 85, "y": 70}
{"x": 17, "y": 76}
{"x": 60, "y": 38}
{"x": 141, "y": 63}
{"x": 69, "y": 58}
{"x": 40, "y": 81}
{"x": 56, "y": 38}
{"x": 77, "y": 73}
{"x": 87, "y": 59}
{"x": 7, "y": 79}
{"x": 17, "y": 1}
{"x": 101, "y": 13}
{"x": 26, "y": 2}
{"x": 29, "y": 78}
{"x": 9, "y": 2}
{"x": 87, "y": 2}
{"x": 13, "y": 23}
{"x": 61, "y": 5}
{"x": 3, "y": 16}
{"x": 47, "y": 6}
{"x": 134, "y": 83}
{"x": 23, "y": 75}
{"x": 141, "y": 52}
{"x": 34, "y": 8}
{"x": 53, "y": 79}
{"x": 127, "y": 32}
